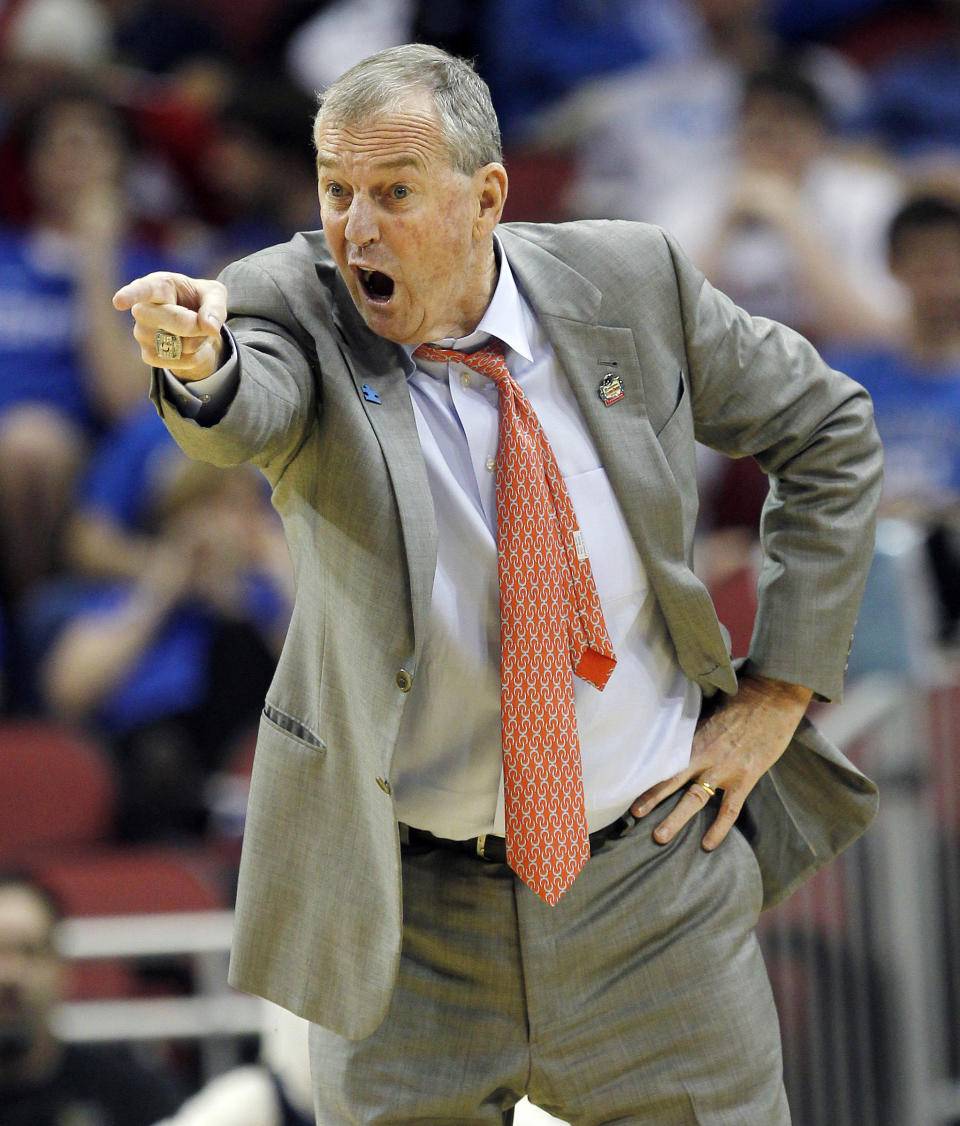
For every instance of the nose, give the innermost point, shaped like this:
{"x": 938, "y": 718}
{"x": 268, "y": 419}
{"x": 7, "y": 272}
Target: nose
{"x": 361, "y": 228}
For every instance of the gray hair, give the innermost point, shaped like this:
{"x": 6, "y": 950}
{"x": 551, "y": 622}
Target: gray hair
{"x": 377, "y": 84}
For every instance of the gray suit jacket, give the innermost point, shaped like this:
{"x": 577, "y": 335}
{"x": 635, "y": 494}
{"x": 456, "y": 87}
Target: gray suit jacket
{"x": 318, "y": 908}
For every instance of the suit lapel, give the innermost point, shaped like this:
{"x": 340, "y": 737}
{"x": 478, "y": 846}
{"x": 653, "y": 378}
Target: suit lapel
{"x": 379, "y": 381}
{"x": 567, "y": 305}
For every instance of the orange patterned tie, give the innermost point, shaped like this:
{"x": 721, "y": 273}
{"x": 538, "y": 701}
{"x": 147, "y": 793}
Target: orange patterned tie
{"x": 551, "y": 626}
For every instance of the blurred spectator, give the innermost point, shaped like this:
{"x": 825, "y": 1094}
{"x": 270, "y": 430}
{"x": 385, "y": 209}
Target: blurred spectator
{"x": 108, "y": 534}
{"x": 537, "y": 51}
{"x": 317, "y": 41}
{"x": 342, "y": 33}
{"x": 64, "y": 368}
{"x": 916, "y": 386}
{"x": 258, "y": 171}
{"x": 648, "y": 140}
{"x": 532, "y": 52}
{"x": 172, "y": 664}
{"x": 915, "y": 108}
{"x": 75, "y": 32}
{"x": 44, "y": 1082}
{"x": 798, "y": 233}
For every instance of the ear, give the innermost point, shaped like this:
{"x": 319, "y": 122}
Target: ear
{"x": 491, "y": 194}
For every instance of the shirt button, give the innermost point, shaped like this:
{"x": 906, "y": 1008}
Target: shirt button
{"x": 465, "y": 379}
{"x": 491, "y": 463}
{"x": 404, "y": 680}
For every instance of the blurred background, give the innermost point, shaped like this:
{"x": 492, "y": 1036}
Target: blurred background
{"x": 807, "y": 155}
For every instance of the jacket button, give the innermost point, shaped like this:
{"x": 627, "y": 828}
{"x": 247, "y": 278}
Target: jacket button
{"x": 385, "y": 785}
{"x": 404, "y": 680}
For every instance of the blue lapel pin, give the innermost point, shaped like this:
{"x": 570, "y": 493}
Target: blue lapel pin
{"x": 611, "y": 389}
{"x": 369, "y": 394}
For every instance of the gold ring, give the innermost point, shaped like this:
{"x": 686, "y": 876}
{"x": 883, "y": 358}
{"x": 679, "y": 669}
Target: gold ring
{"x": 169, "y": 345}
{"x": 706, "y": 787}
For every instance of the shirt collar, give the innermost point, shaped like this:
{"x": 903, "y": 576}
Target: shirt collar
{"x": 504, "y": 317}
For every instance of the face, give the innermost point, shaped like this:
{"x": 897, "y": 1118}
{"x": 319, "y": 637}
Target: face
{"x": 31, "y": 974}
{"x": 777, "y": 137}
{"x": 78, "y": 148}
{"x": 411, "y": 235}
{"x": 927, "y": 263}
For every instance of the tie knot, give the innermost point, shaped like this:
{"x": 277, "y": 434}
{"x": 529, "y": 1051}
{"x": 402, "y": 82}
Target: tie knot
{"x": 487, "y": 361}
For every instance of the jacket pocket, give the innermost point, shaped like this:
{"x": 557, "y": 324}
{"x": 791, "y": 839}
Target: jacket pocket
{"x": 674, "y": 427}
{"x": 293, "y": 728}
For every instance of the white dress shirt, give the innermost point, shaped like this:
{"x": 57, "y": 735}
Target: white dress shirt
{"x": 447, "y": 773}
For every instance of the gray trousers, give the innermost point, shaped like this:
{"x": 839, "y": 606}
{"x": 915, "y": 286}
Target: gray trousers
{"x": 641, "y": 997}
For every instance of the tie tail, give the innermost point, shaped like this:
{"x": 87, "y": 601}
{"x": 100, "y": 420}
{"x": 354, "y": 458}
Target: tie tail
{"x": 595, "y": 668}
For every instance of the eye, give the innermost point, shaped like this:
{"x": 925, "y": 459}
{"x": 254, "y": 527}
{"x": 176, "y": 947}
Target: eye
{"x": 399, "y": 191}
{"x": 334, "y": 190}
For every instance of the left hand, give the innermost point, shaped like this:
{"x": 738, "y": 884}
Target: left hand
{"x": 732, "y": 748}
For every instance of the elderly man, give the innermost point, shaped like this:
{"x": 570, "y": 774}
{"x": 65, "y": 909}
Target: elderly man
{"x": 481, "y": 440}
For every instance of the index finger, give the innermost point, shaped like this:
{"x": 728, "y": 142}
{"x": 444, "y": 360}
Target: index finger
{"x": 158, "y": 288}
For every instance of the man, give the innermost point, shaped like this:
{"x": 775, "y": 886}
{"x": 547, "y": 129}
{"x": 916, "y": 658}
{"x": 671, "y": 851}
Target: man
{"x": 44, "y": 1082}
{"x": 628, "y": 986}
{"x": 915, "y": 386}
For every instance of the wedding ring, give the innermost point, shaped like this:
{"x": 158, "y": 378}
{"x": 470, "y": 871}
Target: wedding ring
{"x": 709, "y": 790}
{"x": 169, "y": 345}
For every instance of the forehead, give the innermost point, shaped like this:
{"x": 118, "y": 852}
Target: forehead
{"x": 407, "y": 134}
{"x": 24, "y": 917}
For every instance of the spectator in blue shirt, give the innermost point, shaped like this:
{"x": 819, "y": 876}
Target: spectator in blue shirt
{"x": 173, "y": 664}
{"x": 64, "y": 368}
{"x": 915, "y": 385}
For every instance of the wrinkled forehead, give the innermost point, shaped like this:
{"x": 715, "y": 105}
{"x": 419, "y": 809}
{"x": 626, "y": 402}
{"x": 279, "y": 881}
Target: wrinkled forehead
{"x": 408, "y": 132}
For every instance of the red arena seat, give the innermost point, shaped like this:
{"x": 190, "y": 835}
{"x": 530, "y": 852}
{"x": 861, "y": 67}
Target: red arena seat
{"x": 133, "y": 880}
{"x": 58, "y": 788}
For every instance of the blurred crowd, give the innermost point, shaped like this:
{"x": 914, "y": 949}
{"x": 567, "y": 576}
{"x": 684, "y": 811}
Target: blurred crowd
{"x": 805, "y": 152}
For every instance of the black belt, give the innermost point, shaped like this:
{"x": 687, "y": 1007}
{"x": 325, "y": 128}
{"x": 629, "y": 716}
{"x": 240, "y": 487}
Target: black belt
{"x": 493, "y": 849}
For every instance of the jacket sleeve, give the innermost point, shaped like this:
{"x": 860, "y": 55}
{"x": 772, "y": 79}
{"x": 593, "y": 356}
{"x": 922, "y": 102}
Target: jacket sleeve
{"x": 277, "y": 387}
{"x": 761, "y": 390}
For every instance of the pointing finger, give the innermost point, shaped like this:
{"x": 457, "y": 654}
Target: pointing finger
{"x": 206, "y": 299}
{"x": 154, "y": 289}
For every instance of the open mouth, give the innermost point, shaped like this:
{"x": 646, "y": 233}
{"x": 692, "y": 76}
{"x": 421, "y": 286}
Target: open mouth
{"x": 377, "y": 285}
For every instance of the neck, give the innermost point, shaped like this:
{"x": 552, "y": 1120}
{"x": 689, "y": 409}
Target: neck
{"x": 490, "y": 273}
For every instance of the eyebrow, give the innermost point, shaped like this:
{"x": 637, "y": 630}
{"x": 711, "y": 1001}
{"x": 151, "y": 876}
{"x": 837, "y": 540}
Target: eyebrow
{"x": 386, "y": 163}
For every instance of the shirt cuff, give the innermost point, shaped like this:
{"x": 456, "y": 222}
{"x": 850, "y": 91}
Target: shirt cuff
{"x": 211, "y": 395}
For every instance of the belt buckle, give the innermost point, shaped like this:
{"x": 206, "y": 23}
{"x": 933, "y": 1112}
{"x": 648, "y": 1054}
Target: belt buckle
{"x": 481, "y": 844}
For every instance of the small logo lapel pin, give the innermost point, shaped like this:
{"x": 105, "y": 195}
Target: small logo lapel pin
{"x": 611, "y": 389}
{"x": 369, "y": 394}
